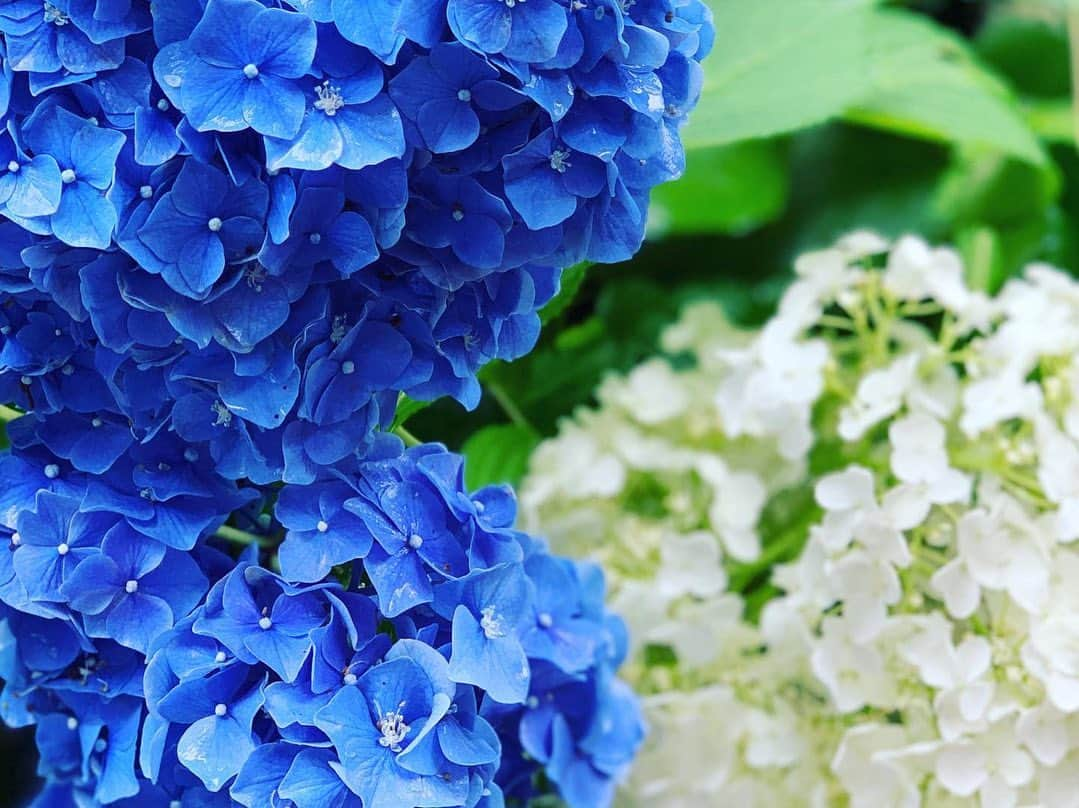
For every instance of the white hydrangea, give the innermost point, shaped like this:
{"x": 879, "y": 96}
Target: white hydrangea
{"x": 847, "y": 544}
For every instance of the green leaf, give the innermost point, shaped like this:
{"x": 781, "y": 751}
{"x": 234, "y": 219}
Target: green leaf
{"x": 778, "y": 66}
{"x": 572, "y": 278}
{"x": 728, "y": 189}
{"x": 845, "y": 177}
{"x": 498, "y": 454}
{"x": 1052, "y": 119}
{"x": 986, "y": 187}
{"x": 406, "y": 408}
{"x": 1031, "y": 53}
{"x": 923, "y": 82}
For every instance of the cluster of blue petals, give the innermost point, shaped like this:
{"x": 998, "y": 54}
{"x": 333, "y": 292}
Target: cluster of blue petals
{"x": 248, "y": 221}
{"x": 232, "y": 234}
{"x": 403, "y": 645}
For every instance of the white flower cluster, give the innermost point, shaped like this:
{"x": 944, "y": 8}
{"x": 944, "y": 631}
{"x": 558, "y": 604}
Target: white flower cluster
{"x": 913, "y": 446}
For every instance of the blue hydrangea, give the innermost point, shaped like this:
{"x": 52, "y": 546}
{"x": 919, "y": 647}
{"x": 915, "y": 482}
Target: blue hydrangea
{"x": 232, "y": 234}
{"x": 276, "y": 175}
{"x": 414, "y": 646}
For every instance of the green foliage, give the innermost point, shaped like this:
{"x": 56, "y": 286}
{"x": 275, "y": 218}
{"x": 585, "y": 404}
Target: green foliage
{"x": 778, "y": 66}
{"x": 499, "y": 454}
{"x": 924, "y": 82}
{"x": 572, "y": 278}
{"x": 406, "y": 408}
{"x": 746, "y": 185}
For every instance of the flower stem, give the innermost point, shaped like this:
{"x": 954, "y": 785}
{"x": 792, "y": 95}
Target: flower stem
{"x": 237, "y": 536}
{"x": 406, "y": 436}
{"x": 508, "y": 405}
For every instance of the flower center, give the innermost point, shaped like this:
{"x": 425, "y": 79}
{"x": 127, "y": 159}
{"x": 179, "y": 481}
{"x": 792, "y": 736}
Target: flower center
{"x": 464, "y": 95}
{"x": 62, "y": 548}
{"x": 348, "y": 367}
{"x": 491, "y": 625}
{"x": 52, "y": 471}
{"x": 559, "y": 160}
{"x": 220, "y": 710}
{"x": 131, "y": 587}
{"x": 224, "y": 417}
{"x": 415, "y": 541}
{"x": 215, "y": 224}
{"x": 145, "y": 191}
{"x": 393, "y": 727}
{"x": 458, "y": 213}
{"x": 251, "y": 71}
{"x": 322, "y": 527}
{"x": 339, "y": 329}
{"x": 67, "y": 176}
{"x": 255, "y": 275}
{"x": 55, "y": 15}
{"x": 545, "y": 619}
{"x": 265, "y": 623}
{"x": 329, "y": 98}
{"x": 13, "y": 166}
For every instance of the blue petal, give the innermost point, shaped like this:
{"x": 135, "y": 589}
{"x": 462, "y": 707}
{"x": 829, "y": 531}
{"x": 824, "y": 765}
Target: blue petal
{"x": 214, "y": 749}
{"x": 85, "y": 217}
{"x": 367, "y": 24}
{"x": 155, "y": 137}
{"x": 497, "y": 664}
{"x": 480, "y": 24}
{"x": 273, "y": 106}
{"x": 257, "y": 781}
{"x": 264, "y": 400}
{"x": 212, "y": 97}
{"x": 538, "y": 26}
{"x": 448, "y": 124}
{"x": 136, "y": 620}
{"x": 371, "y": 133}
{"x": 36, "y": 188}
{"x": 94, "y": 584}
{"x": 311, "y": 783}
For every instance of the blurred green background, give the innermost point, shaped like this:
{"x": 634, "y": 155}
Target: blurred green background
{"x": 952, "y": 118}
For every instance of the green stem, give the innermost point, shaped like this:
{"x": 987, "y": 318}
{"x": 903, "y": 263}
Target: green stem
{"x": 9, "y": 414}
{"x": 406, "y": 436}
{"x": 786, "y": 545}
{"x": 237, "y": 536}
{"x": 508, "y": 405}
{"x": 838, "y": 323}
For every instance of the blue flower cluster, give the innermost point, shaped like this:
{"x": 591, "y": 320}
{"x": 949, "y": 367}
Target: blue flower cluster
{"x": 251, "y": 222}
{"x": 412, "y": 650}
{"x": 232, "y": 234}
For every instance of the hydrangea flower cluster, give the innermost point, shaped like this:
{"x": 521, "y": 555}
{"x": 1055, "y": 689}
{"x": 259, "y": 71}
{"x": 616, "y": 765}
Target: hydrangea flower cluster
{"x": 920, "y": 647}
{"x": 404, "y": 645}
{"x": 232, "y": 235}
{"x": 254, "y": 225}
